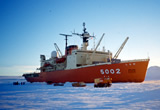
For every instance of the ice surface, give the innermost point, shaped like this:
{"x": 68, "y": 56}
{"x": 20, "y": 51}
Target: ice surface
{"x": 122, "y": 96}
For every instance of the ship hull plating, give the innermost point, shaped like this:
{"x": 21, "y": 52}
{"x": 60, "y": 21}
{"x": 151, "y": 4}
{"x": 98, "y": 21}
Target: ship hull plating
{"x": 131, "y": 71}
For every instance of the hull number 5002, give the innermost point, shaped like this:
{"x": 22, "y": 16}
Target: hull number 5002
{"x": 110, "y": 71}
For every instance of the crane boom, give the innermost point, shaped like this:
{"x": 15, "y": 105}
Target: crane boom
{"x": 98, "y": 44}
{"x": 89, "y": 58}
{"x": 58, "y": 50}
{"x": 120, "y": 49}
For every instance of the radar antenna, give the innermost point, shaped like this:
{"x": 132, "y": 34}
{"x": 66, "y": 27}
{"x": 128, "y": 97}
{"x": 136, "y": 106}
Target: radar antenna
{"x": 85, "y": 36}
{"x": 84, "y": 29}
{"x": 66, "y": 37}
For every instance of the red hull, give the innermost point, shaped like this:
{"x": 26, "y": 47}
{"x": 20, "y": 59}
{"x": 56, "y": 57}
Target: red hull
{"x": 132, "y": 71}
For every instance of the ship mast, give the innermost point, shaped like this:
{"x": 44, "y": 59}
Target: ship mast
{"x": 85, "y": 36}
{"x": 66, "y": 38}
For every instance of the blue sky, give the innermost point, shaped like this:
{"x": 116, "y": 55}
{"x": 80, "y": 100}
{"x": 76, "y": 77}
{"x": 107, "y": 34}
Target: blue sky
{"x": 29, "y": 28}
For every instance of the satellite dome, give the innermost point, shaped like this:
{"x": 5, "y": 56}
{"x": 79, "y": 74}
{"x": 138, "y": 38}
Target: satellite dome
{"x": 53, "y": 54}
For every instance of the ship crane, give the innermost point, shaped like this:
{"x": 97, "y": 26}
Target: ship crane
{"x": 97, "y": 45}
{"x": 120, "y": 49}
{"x": 89, "y": 58}
{"x": 58, "y": 50}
